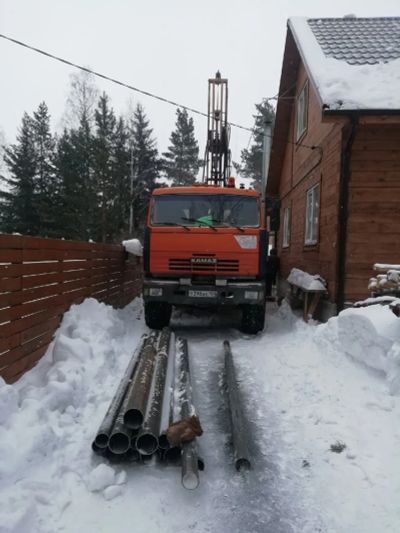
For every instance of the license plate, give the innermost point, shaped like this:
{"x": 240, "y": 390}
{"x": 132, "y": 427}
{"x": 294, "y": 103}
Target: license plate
{"x": 202, "y": 294}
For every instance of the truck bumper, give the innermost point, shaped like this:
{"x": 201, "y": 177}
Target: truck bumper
{"x": 177, "y": 293}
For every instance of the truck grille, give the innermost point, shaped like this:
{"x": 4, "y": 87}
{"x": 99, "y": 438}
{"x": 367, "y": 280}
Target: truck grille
{"x": 209, "y": 266}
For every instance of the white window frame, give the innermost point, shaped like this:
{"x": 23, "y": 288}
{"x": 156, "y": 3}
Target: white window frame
{"x": 286, "y": 227}
{"x": 302, "y": 112}
{"x": 312, "y": 215}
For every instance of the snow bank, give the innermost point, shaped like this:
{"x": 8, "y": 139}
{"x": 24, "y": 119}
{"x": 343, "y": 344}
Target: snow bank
{"x": 305, "y": 395}
{"x": 306, "y": 281}
{"x": 48, "y": 418}
{"x": 345, "y": 86}
{"x": 133, "y": 246}
{"x": 371, "y": 335}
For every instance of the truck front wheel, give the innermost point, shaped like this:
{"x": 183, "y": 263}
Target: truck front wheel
{"x": 253, "y": 317}
{"x": 157, "y": 314}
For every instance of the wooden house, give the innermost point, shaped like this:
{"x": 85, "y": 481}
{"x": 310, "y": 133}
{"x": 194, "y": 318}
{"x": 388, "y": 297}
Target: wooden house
{"x": 335, "y": 159}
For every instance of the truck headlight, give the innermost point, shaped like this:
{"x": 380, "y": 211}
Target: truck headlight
{"x": 251, "y": 295}
{"x": 155, "y": 291}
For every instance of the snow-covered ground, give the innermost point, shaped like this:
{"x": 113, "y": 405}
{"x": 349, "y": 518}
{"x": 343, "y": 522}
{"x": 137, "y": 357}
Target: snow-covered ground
{"x": 306, "y": 388}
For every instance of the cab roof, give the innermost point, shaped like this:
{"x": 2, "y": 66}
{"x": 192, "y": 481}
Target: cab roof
{"x": 205, "y": 189}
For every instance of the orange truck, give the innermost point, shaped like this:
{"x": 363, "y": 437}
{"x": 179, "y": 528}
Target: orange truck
{"x": 205, "y": 245}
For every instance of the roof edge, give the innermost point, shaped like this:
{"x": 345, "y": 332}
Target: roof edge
{"x": 291, "y": 26}
{"x": 358, "y": 111}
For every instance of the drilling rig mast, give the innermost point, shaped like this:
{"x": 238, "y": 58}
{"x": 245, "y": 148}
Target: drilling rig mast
{"x": 218, "y": 155}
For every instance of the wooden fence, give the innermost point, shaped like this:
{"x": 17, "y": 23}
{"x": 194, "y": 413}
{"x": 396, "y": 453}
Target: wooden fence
{"x": 41, "y": 278}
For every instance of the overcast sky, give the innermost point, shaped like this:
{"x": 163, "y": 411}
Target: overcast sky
{"x": 168, "y": 47}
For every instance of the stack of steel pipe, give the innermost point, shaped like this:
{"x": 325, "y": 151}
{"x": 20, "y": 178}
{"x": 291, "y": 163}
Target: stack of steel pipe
{"x": 116, "y": 436}
{"x": 239, "y": 430}
{"x": 146, "y": 403}
{"x": 131, "y": 427}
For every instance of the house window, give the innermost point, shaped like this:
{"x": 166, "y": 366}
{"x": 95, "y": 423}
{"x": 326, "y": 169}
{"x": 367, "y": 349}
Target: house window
{"x": 312, "y": 214}
{"x": 301, "y": 112}
{"x": 286, "y": 227}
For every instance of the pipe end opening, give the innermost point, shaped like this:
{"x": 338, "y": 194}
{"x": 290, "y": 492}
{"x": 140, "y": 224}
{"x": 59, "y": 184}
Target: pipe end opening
{"x": 119, "y": 443}
{"x": 133, "y": 419}
{"x": 190, "y": 480}
{"x": 242, "y": 464}
{"x": 147, "y": 444}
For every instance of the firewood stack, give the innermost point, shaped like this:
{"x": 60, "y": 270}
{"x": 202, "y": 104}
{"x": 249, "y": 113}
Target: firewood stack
{"x": 387, "y": 280}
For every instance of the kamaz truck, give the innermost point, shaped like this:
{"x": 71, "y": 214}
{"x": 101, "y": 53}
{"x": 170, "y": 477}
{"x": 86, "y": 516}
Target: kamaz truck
{"x": 205, "y": 245}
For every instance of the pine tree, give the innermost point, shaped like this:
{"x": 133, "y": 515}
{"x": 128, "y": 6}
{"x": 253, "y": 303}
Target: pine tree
{"x": 103, "y": 158}
{"x": 146, "y": 163}
{"x": 121, "y": 175}
{"x": 251, "y": 158}
{"x": 47, "y": 186}
{"x": 181, "y": 162}
{"x": 19, "y": 213}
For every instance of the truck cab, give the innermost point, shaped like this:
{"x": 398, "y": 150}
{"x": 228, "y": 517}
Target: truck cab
{"x": 205, "y": 245}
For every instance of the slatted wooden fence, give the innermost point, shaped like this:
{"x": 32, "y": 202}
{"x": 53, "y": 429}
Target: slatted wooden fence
{"x": 41, "y": 278}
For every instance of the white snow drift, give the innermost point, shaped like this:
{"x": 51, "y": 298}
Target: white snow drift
{"x": 308, "y": 389}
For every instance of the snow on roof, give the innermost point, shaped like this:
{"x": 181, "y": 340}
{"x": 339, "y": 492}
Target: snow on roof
{"x": 353, "y": 62}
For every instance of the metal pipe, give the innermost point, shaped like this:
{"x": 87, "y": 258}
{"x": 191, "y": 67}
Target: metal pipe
{"x": 134, "y": 406}
{"x": 147, "y": 440}
{"x": 190, "y": 466}
{"x": 173, "y": 455}
{"x": 104, "y": 431}
{"x": 167, "y": 416}
{"x": 239, "y": 432}
{"x": 96, "y": 449}
{"x": 120, "y": 440}
{"x": 121, "y": 434}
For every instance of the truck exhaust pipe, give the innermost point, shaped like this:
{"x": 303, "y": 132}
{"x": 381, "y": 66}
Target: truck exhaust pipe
{"x": 147, "y": 440}
{"x": 241, "y": 450}
{"x": 103, "y": 434}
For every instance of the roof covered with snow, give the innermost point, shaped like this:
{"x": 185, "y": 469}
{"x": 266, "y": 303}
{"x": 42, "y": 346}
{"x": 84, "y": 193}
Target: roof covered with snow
{"x": 358, "y": 41}
{"x": 354, "y": 63}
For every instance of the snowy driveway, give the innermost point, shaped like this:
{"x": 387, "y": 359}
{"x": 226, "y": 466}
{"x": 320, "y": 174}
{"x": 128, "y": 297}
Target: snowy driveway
{"x": 302, "y": 395}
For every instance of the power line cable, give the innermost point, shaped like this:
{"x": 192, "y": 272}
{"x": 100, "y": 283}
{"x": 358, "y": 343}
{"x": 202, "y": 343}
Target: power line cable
{"x": 136, "y": 89}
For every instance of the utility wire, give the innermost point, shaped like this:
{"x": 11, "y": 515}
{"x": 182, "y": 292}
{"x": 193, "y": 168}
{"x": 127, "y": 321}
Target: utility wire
{"x": 141, "y": 91}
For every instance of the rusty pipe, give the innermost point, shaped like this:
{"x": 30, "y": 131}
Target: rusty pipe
{"x": 134, "y": 406}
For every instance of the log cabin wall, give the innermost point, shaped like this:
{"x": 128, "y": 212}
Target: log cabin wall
{"x": 373, "y": 231}
{"x": 41, "y": 278}
{"x": 303, "y": 168}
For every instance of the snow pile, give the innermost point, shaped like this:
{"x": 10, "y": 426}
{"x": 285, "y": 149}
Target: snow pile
{"x": 48, "y": 418}
{"x": 371, "y": 335}
{"x": 306, "y": 281}
{"x": 328, "y": 427}
{"x": 324, "y": 432}
{"x": 344, "y": 86}
{"x": 133, "y": 246}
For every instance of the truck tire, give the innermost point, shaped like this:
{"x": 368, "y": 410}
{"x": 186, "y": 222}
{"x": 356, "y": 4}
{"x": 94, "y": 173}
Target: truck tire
{"x": 157, "y": 314}
{"x": 253, "y": 317}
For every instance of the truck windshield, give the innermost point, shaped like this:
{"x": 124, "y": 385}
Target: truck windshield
{"x": 206, "y": 210}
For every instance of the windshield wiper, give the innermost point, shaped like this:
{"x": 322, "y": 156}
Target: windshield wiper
{"x": 227, "y": 224}
{"x": 172, "y": 224}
